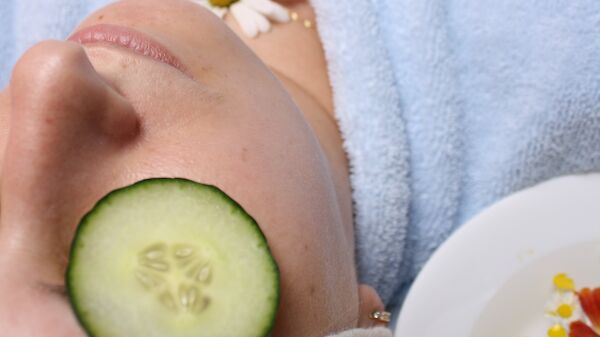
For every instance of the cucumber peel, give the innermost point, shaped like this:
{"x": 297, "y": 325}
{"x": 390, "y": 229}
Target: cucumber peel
{"x": 170, "y": 257}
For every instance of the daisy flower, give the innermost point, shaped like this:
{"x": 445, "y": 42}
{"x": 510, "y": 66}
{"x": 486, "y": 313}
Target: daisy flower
{"x": 563, "y": 308}
{"x": 252, "y": 15}
{"x": 573, "y": 313}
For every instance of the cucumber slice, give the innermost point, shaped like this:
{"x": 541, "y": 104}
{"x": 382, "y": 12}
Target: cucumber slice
{"x": 172, "y": 258}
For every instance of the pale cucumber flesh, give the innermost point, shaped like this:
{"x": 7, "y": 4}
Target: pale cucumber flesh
{"x": 172, "y": 257}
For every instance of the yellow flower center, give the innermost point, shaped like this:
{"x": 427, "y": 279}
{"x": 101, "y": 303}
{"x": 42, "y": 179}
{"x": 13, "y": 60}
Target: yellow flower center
{"x": 564, "y": 283}
{"x": 564, "y": 311}
{"x": 557, "y": 331}
{"x": 222, "y": 3}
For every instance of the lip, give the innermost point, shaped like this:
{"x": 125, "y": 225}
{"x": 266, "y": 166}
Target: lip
{"x": 128, "y": 38}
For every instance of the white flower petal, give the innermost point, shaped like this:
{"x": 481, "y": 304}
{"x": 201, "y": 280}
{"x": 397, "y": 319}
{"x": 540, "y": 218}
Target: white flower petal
{"x": 220, "y": 12}
{"x": 269, "y": 8}
{"x": 246, "y": 18}
{"x": 262, "y": 22}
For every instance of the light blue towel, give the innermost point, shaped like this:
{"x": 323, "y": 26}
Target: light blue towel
{"x": 25, "y": 22}
{"x": 445, "y": 107}
{"x": 449, "y": 105}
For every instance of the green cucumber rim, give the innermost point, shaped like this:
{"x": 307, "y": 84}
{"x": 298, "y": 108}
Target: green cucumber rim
{"x": 83, "y": 223}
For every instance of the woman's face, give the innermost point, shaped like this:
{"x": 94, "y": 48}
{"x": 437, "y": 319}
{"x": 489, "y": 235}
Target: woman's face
{"x": 77, "y": 122}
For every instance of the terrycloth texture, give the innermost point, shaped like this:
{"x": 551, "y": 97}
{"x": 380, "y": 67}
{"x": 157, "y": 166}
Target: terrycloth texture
{"x": 375, "y": 332}
{"x": 26, "y": 22}
{"x": 445, "y": 106}
{"x": 464, "y": 102}
{"x": 367, "y": 105}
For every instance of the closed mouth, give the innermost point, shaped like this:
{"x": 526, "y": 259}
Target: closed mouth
{"x": 127, "y": 38}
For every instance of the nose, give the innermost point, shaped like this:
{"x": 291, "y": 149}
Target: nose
{"x": 66, "y": 124}
{"x": 55, "y": 83}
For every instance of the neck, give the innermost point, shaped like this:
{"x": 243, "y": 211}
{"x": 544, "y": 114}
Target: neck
{"x": 295, "y": 55}
{"x": 295, "y": 52}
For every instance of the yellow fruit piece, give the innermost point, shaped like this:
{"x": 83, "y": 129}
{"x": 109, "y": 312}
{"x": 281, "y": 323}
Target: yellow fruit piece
{"x": 563, "y": 282}
{"x": 222, "y": 3}
{"x": 564, "y": 311}
{"x": 557, "y": 331}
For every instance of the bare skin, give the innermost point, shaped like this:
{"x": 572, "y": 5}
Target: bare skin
{"x": 77, "y": 122}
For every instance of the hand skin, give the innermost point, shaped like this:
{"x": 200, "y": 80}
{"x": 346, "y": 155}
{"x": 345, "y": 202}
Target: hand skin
{"x": 79, "y": 121}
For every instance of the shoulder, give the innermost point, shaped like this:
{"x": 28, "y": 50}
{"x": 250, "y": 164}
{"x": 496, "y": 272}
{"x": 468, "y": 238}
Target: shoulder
{"x": 294, "y": 51}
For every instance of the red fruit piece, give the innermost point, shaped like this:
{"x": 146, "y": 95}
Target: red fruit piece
{"x": 590, "y": 302}
{"x": 580, "y": 329}
{"x": 596, "y": 293}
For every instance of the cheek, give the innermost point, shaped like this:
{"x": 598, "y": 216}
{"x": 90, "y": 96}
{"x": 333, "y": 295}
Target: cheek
{"x": 4, "y": 108}
{"x": 37, "y": 315}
